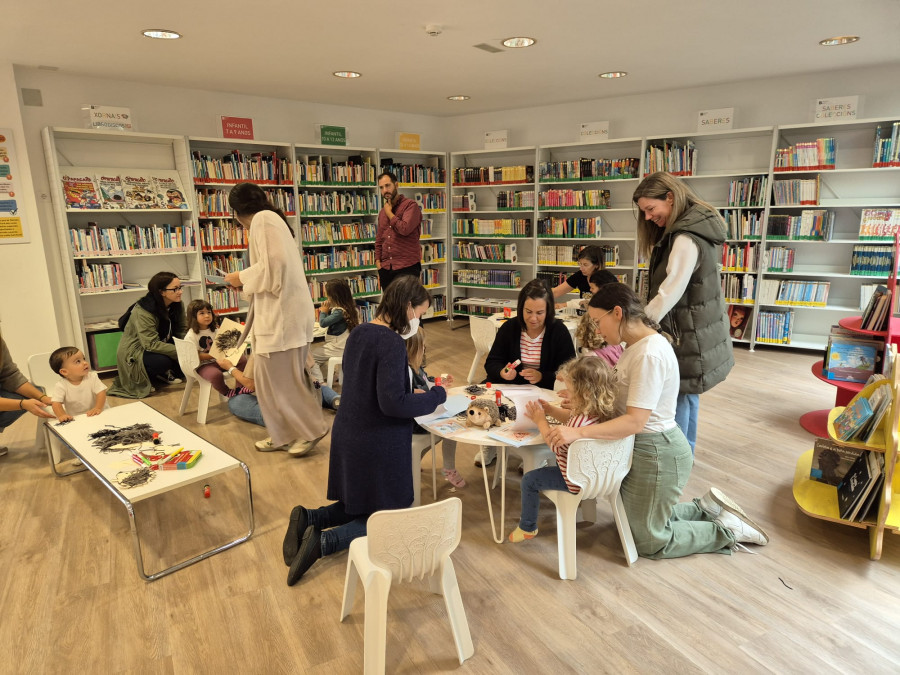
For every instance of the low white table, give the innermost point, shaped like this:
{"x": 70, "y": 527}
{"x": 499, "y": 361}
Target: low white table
{"x": 106, "y": 466}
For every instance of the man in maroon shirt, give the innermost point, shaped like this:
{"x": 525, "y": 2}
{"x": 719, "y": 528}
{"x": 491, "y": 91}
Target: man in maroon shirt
{"x": 397, "y": 249}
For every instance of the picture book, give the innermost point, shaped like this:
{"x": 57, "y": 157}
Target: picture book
{"x": 81, "y": 192}
{"x": 869, "y": 509}
{"x": 739, "y": 320}
{"x": 857, "y": 484}
{"x": 509, "y": 436}
{"x": 880, "y": 402}
{"x": 139, "y": 192}
{"x": 831, "y": 461}
{"x": 168, "y": 191}
{"x": 446, "y": 426}
{"x": 227, "y": 343}
{"x": 852, "y": 418}
{"x": 111, "y": 191}
{"x": 852, "y": 360}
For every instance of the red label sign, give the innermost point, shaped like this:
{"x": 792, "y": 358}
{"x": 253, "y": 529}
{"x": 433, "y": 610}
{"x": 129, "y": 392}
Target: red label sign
{"x": 237, "y": 127}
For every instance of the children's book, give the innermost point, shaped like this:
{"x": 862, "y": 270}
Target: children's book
{"x": 446, "y": 426}
{"x": 227, "y": 343}
{"x": 140, "y": 192}
{"x": 510, "y": 436}
{"x": 857, "y": 484}
{"x": 739, "y": 317}
{"x": 168, "y": 191}
{"x": 852, "y": 418}
{"x": 111, "y": 191}
{"x": 831, "y": 461}
{"x": 852, "y": 360}
{"x": 880, "y": 402}
{"x": 80, "y": 191}
{"x": 869, "y": 509}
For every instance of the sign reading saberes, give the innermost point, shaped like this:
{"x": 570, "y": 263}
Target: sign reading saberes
{"x": 837, "y": 109}
{"x": 715, "y": 119}
{"x": 237, "y": 127}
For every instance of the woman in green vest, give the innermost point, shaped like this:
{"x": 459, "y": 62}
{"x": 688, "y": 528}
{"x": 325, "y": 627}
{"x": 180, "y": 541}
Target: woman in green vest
{"x": 682, "y": 236}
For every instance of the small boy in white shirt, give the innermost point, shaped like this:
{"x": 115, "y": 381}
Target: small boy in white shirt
{"x": 80, "y": 390}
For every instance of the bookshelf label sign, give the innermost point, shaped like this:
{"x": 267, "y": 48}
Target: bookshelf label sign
{"x": 594, "y": 131}
{"x": 331, "y": 135}
{"x": 837, "y": 109}
{"x": 237, "y": 127}
{"x": 715, "y": 119}
{"x": 496, "y": 140}
{"x": 107, "y": 117}
{"x": 408, "y": 141}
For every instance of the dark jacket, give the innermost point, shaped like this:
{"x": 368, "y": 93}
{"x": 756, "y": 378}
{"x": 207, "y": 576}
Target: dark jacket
{"x": 698, "y": 322}
{"x": 556, "y": 349}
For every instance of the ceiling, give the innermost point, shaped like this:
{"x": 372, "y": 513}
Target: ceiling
{"x": 281, "y": 49}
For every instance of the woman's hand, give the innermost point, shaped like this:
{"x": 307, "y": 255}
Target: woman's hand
{"x": 418, "y": 391}
{"x": 36, "y": 408}
{"x": 533, "y": 376}
{"x": 234, "y": 279}
{"x": 508, "y": 374}
{"x": 224, "y": 364}
{"x": 563, "y": 435}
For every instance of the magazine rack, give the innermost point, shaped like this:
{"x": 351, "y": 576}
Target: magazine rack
{"x": 816, "y": 421}
{"x": 819, "y": 500}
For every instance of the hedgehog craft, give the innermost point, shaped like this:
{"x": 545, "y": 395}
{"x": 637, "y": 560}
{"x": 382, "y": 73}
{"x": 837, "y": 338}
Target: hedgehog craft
{"x": 482, "y": 413}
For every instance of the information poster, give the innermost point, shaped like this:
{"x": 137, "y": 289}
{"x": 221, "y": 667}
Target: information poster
{"x": 13, "y": 229}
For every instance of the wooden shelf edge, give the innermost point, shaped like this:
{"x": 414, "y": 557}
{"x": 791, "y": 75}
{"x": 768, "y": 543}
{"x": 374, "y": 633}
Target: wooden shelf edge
{"x": 816, "y": 499}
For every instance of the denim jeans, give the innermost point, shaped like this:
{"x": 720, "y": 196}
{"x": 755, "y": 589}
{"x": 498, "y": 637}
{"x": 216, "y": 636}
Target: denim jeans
{"x": 687, "y": 409}
{"x": 545, "y": 478}
{"x": 7, "y": 417}
{"x": 246, "y": 407}
{"x": 328, "y": 396}
{"x": 338, "y": 527}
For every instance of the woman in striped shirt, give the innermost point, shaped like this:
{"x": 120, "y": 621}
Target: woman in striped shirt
{"x": 592, "y": 394}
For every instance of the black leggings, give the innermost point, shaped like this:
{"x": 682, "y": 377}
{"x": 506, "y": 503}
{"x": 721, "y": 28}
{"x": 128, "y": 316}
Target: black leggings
{"x": 156, "y": 365}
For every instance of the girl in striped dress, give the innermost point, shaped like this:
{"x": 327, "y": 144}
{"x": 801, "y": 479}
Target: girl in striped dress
{"x": 591, "y": 386}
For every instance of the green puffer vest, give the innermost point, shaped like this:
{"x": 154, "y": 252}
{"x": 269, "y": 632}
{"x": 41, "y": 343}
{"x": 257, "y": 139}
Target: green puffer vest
{"x": 698, "y": 322}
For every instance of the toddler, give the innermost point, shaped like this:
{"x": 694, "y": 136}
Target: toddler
{"x": 202, "y": 324}
{"x": 338, "y": 316}
{"x": 592, "y": 393}
{"x": 79, "y": 390}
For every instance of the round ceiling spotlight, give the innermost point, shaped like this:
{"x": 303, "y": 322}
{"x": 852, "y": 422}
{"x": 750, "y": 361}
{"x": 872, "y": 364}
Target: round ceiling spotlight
{"x": 839, "y": 40}
{"x": 161, "y": 34}
{"x": 458, "y": 97}
{"x": 613, "y": 74}
{"x": 518, "y": 42}
{"x": 348, "y": 74}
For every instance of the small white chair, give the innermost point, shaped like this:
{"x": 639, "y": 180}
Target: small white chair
{"x": 598, "y": 468}
{"x": 188, "y": 360}
{"x": 483, "y": 332}
{"x": 333, "y": 363}
{"x": 422, "y": 443}
{"x": 400, "y": 546}
{"x": 41, "y": 375}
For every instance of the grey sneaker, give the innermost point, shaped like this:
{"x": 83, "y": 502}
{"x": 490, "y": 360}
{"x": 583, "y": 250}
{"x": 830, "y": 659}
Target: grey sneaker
{"x": 266, "y": 446}
{"x": 743, "y": 531}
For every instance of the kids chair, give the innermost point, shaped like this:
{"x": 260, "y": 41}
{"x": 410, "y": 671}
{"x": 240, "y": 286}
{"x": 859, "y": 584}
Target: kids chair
{"x": 403, "y": 545}
{"x": 483, "y": 332}
{"x": 43, "y": 377}
{"x": 335, "y": 362}
{"x": 598, "y": 468}
{"x": 188, "y": 360}
{"x": 422, "y": 443}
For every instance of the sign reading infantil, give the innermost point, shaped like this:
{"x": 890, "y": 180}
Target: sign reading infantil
{"x": 237, "y": 127}
{"x": 331, "y": 135}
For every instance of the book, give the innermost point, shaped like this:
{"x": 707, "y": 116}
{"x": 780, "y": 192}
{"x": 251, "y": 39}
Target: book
{"x": 869, "y": 509}
{"x": 168, "y": 192}
{"x": 139, "y": 192}
{"x": 852, "y": 418}
{"x": 857, "y": 485}
{"x": 831, "y": 461}
{"x": 880, "y": 402}
{"x": 739, "y": 318}
{"x": 111, "y": 191}
{"x": 509, "y": 436}
{"x": 227, "y": 343}
{"x": 80, "y": 192}
{"x": 851, "y": 359}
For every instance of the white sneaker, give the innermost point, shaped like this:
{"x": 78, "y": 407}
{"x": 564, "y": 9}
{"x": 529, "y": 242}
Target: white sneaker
{"x": 299, "y": 448}
{"x": 714, "y": 501}
{"x": 489, "y": 453}
{"x": 266, "y": 446}
{"x": 742, "y": 530}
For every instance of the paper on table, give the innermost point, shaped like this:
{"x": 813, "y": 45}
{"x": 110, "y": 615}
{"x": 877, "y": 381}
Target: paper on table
{"x": 521, "y": 395}
{"x": 452, "y": 406}
{"x": 510, "y": 436}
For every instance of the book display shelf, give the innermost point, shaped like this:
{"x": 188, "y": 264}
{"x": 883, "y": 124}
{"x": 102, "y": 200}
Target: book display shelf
{"x": 216, "y": 166}
{"x": 820, "y": 500}
{"x": 492, "y": 195}
{"x": 423, "y": 177}
{"x": 338, "y": 206}
{"x": 122, "y": 212}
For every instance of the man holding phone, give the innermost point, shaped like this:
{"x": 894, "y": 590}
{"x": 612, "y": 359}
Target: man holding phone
{"x": 397, "y": 250}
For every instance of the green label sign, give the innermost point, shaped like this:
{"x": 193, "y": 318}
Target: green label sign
{"x": 333, "y": 135}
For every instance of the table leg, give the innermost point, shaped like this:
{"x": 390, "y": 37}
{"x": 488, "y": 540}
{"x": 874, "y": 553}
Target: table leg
{"x": 501, "y": 466}
{"x": 48, "y": 441}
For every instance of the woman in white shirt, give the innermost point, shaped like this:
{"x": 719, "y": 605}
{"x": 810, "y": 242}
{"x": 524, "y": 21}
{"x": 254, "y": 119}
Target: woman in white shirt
{"x": 648, "y": 374}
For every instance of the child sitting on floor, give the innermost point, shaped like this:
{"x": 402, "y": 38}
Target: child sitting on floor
{"x": 202, "y": 325}
{"x": 80, "y": 389}
{"x": 338, "y": 316}
{"x": 592, "y": 393}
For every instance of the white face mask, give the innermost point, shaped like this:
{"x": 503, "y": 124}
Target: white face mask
{"x": 413, "y": 329}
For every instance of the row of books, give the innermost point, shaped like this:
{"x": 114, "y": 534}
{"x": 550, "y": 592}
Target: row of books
{"x": 416, "y": 173}
{"x": 676, "y": 157}
{"x": 224, "y": 299}
{"x": 790, "y": 292}
{"x": 333, "y": 203}
{"x": 352, "y": 170}
{"x": 861, "y": 419}
{"x": 213, "y": 202}
{"x": 568, "y": 255}
{"x": 257, "y": 167}
{"x": 503, "y": 278}
{"x": 816, "y": 155}
{"x": 856, "y": 474}
{"x": 360, "y": 284}
{"x": 589, "y": 169}
{"x": 483, "y": 175}
{"x": 749, "y": 191}
{"x": 871, "y": 260}
{"x": 434, "y": 252}
{"x": 438, "y": 304}
{"x": 814, "y": 224}
{"x": 505, "y": 227}
{"x": 431, "y": 201}
{"x": 130, "y": 239}
{"x": 570, "y": 227}
{"x": 851, "y": 356}
{"x": 743, "y": 224}
{"x": 86, "y": 188}
{"x": 778, "y": 259}
{"x": 222, "y": 234}
{"x": 331, "y": 232}
{"x": 213, "y": 265}
{"x": 887, "y": 146}
{"x": 739, "y": 288}
{"x": 471, "y": 251}
{"x": 351, "y": 257}
{"x": 481, "y": 306}
{"x": 877, "y": 313}
{"x": 430, "y": 276}
{"x": 740, "y": 257}
{"x": 642, "y": 284}
{"x": 521, "y": 199}
{"x": 99, "y": 277}
{"x": 879, "y": 223}
{"x": 774, "y": 327}
{"x": 575, "y": 199}
{"x": 796, "y": 191}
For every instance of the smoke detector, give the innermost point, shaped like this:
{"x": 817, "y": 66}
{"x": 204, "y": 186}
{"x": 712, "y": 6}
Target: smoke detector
{"x": 433, "y": 29}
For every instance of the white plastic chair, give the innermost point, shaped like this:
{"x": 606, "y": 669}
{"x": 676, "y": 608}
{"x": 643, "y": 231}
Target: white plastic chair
{"x": 41, "y": 375}
{"x": 333, "y": 363}
{"x": 188, "y": 360}
{"x": 422, "y": 443}
{"x": 400, "y": 546}
{"x": 598, "y": 468}
{"x": 483, "y": 332}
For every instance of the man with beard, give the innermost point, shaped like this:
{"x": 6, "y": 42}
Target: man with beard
{"x": 397, "y": 250}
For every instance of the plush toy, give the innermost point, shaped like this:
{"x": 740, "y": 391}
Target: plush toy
{"x": 482, "y": 413}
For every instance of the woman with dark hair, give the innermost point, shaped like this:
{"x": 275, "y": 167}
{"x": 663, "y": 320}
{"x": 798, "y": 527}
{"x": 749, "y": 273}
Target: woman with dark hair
{"x": 279, "y": 324}
{"x": 371, "y": 441}
{"x": 146, "y": 351}
{"x": 590, "y": 259}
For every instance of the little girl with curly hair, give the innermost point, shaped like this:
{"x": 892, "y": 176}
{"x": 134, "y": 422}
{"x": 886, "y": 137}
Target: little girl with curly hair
{"x": 592, "y": 392}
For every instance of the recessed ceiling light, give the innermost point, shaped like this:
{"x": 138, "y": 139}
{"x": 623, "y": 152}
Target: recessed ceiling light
{"x": 161, "y": 34}
{"x": 346, "y": 73}
{"x": 516, "y": 42}
{"x": 839, "y": 40}
{"x": 458, "y": 97}
{"x": 613, "y": 74}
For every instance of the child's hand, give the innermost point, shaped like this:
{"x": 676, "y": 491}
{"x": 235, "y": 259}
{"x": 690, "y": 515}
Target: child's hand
{"x": 65, "y": 417}
{"x": 564, "y": 402}
{"x": 533, "y": 376}
{"x": 93, "y": 412}
{"x": 447, "y": 382}
{"x": 534, "y": 411}
{"x": 326, "y": 307}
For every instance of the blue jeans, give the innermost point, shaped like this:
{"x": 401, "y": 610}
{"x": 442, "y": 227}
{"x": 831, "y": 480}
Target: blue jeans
{"x": 246, "y": 407}
{"x": 545, "y": 478}
{"x": 328, "y": 396}
{"x": 344, "y": 528}
{"x": 7, "y": 417}
{"x": 687, "y": 409}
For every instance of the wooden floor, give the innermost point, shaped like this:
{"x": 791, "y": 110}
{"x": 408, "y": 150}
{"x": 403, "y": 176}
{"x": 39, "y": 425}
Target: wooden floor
{"x": 810, "y": 601}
